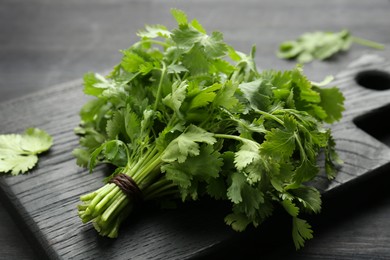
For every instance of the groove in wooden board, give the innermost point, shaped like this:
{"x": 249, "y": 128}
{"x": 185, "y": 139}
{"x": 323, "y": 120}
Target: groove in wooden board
{"x": 46, "y": 198}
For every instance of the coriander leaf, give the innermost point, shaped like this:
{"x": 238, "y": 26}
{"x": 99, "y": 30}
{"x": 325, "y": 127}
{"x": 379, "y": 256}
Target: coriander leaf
{"x": 180, "y": 16}
{"x": 154, "y": 31}
{"x": 204, "y": 166}
{"x": 214, "y": 45}
{"x": 258, "y": 93}
{"x": 196, "y": 60}
{"x": 321, "y": 45}
{"x": 17, "y": 164}
{"x": 249, "y": 152}
{"x": 238, "y": 181}
{"x": 174, "y": 99}
{"x": 280, "y": 143}
{"x": 226, "y": 96}
{"x": 309, "y": 197}
{"x": 216, "y": 188}
{"x": 131, "y": 61}
{"x": 237, "y": 221}
{"x": 290, "y": 207}
{"x": 332, "y": 102}
{"x": 18, "y": 153}
{"x": 305, "y": 172}
{"x": 186, "y": 144}
{"x": 36, "y": 141}
{"x": 202, "y": 97}
{"x": 301, "y": 231}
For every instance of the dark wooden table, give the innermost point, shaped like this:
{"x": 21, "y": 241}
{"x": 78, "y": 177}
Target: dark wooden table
{"x": 45, "y": 43}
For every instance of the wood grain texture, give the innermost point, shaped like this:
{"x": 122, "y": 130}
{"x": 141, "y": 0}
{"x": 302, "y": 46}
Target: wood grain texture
{"x": 46, "y": 198}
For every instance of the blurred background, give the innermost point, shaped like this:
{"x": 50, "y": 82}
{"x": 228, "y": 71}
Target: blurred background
{"x": 44, "y": 43}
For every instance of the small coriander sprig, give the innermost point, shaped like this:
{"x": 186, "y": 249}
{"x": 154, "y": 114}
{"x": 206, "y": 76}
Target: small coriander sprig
{"x": 321, "y": 45}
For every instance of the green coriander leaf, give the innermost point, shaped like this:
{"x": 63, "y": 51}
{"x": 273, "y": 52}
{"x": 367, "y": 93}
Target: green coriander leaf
{"x": 180, "y": 16}
{"x": 248, "y": 153}
{"x": 36, "y": 141}
{"x": 196, "y": 60}
{"x": 131, "y": 61}
{"x": 238, "y": 181}
{"x": 175, "y": 99}
{"x": 204, "y": 166}
{"x": 258, "y": 93}
{"x": 195, "y": 23}
{"x": 309, "y": 197}
{"x": 18, "y": 163}
{"x": 226, "y": 96}
{"x": 90, "y": 79}
{"x": 290, "y": 207}
{"x": 237, "y": 221}
{"x": 305, "y": 172}
{"x": 332, "y": 102}
{"x": 301, "y": 231}
{"x": 216, "y": 188}
{"x": 252, "y": 200}
{"x": 320, "y": 45}
{"x": 280, "y": 143}
{"x": 154, "y": 31}
{"x": 202, "y": 97}
{"x": 18, "y": 153}
{"x": 186, "y": 144}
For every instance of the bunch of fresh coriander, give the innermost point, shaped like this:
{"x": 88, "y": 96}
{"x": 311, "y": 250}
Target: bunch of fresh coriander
{"x": 184, "y": 115}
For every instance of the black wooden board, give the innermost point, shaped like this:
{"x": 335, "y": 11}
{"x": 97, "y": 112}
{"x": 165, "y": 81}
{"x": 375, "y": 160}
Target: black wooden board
{"x": 44, "y": 200}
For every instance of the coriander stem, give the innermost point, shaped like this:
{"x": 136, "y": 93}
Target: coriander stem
{"x": 368, "y": 43}
{"x": 164, "y": 44}
{"x": 280, "y": 121}
{"x": 233, "y": 137}
{"x": 159, "y": 89}
{"x": 302, "y": 150}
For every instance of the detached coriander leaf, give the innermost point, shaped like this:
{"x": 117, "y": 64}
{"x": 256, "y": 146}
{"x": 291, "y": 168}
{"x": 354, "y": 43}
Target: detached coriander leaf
{"x": 18, "y": 153}
{"x": 18, "y": 163}
{"x": 10, "y": 144}
{"x": 321, "y": 45}
{"x": 36, "y": 141}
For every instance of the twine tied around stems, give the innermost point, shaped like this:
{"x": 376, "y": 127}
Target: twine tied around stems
{"x": 128, "y": 186}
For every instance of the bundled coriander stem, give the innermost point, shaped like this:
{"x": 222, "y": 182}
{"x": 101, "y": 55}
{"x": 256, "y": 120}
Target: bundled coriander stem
{"x": 178, "y": 120}
{"x": 108, "y": 206}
